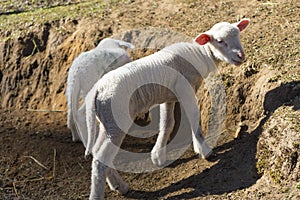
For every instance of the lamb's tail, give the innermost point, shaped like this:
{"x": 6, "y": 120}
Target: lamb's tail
{"x": 90, "y": 101}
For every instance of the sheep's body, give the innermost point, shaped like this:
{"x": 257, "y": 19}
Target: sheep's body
{"x": 163, "y": 67}
{"x": 168, "y": 76}
{"x": 86, "y": 69}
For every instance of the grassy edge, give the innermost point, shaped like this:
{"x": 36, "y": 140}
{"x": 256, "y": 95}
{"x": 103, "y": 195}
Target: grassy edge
{"x": 16, "y": 25}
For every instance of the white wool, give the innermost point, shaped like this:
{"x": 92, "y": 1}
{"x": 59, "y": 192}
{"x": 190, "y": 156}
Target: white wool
{"x": 86, "y": 69}
{"x": 168, "y": 76}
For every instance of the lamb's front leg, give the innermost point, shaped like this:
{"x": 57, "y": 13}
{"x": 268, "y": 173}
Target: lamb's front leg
{"x": 166, "y": 125}
{"x": 188, "y": 102}
{"x": 200, "y": 146}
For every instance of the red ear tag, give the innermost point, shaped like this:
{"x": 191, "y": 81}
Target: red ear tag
{"x": 202, "y": 39}
{"x": 243, "y": 24}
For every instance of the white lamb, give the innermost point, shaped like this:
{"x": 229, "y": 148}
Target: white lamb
{"x": 168, "y": 76}
{"x": 86, "y": 69}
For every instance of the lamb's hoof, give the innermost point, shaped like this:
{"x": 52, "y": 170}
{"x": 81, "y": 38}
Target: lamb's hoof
{"x": 87, "y": 154}
{"x": 211, "y": 157}
{"x": 158, "y": 162}
{"x": 158, "y": 158}
{"x": 76, "y": 140}
{"x": 123, "y": 189}
{"x": 75, "y": 136}
{"x": 206, "y": 155}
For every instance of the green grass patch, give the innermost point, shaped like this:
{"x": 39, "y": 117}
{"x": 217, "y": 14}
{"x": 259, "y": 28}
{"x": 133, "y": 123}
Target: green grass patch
{"x": 18, "y": 24}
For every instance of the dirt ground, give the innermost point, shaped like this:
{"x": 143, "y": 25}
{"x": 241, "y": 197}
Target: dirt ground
{"x": 38, "y": 158}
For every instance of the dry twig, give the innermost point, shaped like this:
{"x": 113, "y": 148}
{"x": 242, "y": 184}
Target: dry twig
{"x": 43, "y": 110}
{"x": 54, "y": 164}
{"x": 37, "y": 179}
{"x": 37, "y": 162}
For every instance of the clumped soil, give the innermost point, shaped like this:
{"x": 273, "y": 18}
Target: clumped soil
{"x": 257, "y": 155}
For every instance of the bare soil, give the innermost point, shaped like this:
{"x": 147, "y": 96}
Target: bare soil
{"x": 39, "y": 160}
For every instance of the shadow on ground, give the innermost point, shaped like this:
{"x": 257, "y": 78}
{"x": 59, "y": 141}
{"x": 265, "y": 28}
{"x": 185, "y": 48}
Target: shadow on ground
{"x": 236, "y": 160}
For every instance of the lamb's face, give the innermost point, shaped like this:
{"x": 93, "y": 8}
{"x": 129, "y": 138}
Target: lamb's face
{"x": 112, "y": 58}
{"x": 116, "y": 54}
{"x": 224, "y": 41}
{"x": 122, "y": 59}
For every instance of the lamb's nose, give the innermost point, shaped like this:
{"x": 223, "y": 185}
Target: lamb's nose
{"x": 241, "y": 55}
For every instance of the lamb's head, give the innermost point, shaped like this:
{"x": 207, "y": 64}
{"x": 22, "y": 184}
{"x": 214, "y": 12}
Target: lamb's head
{"x": 110, "y": 43}
{"x": 223, "y": 40}
{"x": 116, "y": 55}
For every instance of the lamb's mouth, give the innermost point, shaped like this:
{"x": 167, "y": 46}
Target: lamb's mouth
{"x": 237, "y": 62}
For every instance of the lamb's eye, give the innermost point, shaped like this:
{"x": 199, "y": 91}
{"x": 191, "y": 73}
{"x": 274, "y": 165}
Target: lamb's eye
{"x": 219, "y": 41}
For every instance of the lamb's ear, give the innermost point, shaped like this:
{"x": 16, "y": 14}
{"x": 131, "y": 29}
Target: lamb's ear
{"x": 126, "y": 44}
{"x": 202, "y": 39}
{"x": 242, "y": 25}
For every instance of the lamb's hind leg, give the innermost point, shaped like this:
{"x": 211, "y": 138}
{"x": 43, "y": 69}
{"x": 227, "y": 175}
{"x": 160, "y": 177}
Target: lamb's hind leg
{"x": 166, "y": 125}
{"x": 73, "y": 104}
{"x": 115, "y": 182}
{"x": 99, "y": 172}
{"x": 81, "y": 126}
{"x": 71, "y": 125}
{"x": 103, "y": 157}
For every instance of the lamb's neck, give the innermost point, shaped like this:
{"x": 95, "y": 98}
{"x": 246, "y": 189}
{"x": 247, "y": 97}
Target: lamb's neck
{"x": 210, "y": 54}
{"x": 201, "y": 58}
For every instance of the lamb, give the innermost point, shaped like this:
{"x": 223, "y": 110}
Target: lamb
{"x": 86, "y": 69}
{"x": 168, "y": 76}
